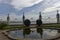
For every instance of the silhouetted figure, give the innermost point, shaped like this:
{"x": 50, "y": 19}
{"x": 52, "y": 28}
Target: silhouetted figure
{"x": 39, "y": 21}
{"x": 8, "y": 19}
{"x": 40, "y": 16}
{"x": 23, "y": 17}
{"x": 27, "y": 22}
{"x": 57, "y": 16}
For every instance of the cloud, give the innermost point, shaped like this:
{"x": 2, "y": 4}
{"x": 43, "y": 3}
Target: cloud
{"x": 13, "y": 6}
{"x": 7, "y": 6}
{"x": 0, "y": 0}
{"x": 19, "y": 4}
{"x": 5, "y": 1}
{"x": 49, "y": 9}
{"x": 52, "y": 8}
{"x": 33, "y": 16}
{"x": 14, "y": 17}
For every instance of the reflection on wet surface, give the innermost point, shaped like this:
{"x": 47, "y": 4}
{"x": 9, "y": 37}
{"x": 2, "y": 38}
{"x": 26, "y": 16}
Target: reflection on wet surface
{"x": 34, "y": 33}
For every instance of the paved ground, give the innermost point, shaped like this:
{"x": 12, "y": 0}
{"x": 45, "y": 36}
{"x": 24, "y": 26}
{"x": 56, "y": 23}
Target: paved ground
{"x": 2, "y": 36}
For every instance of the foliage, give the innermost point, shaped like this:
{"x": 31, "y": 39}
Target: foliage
{"x": 3, "y": 25}
{"x": 38, "y": 22}
{"x": 27, "y": 22}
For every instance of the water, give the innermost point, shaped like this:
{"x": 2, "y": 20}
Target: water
{"x": 34, "y": 33}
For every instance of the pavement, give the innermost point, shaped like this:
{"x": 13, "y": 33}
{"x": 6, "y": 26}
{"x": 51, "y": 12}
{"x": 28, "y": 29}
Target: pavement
{"x": 2, "y": 36}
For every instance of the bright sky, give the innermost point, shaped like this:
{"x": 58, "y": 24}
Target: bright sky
{"x": 31, "y": 9}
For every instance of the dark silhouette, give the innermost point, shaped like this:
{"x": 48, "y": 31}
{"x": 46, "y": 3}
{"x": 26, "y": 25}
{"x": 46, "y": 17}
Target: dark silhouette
{"x": 57, "y": 16}
{"x": 8, "y": 19}
{"x": 23, "y": 17}
{"x": 26, "y": 31}
{"x": 40, "y": 30}
{"x": 38, "y": 22}
{"x": 58, "y": 31}
{"x": 40, "y": 16}
{"x": 27, "y": 22}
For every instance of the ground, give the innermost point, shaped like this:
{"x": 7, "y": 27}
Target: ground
{"x": 2, "y": 36}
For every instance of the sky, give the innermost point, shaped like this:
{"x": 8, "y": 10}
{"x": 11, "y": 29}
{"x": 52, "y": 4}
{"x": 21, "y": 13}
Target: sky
{"x": 31, "y": 8}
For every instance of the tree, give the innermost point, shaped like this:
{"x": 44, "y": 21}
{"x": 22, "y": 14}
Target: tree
{"x": 27, "y": 22}
{"x": 39, "y": 22}
{"x": 3, "y": 25}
